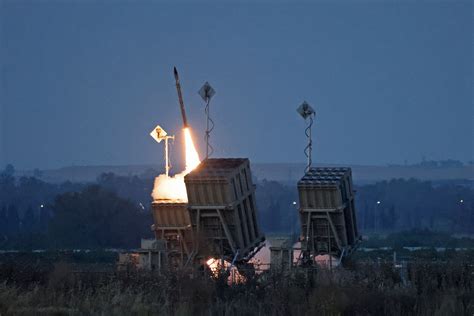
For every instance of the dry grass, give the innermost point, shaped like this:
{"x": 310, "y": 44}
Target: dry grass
{"x": 435, "y": 289}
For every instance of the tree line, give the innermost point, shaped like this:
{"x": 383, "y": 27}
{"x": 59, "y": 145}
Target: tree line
{"x": 115, "y": 211}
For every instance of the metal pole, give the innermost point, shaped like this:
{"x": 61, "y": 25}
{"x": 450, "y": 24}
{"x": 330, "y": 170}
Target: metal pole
{"x": 206, "y": 92}
{"x": 310, "y": 144}
{"x": 167, "y": 166}
{"x": 207, "y": 128}
{"x": 309, "y": 148}
{"x": 307, "y": 112}
{"x": 329, "y": 241}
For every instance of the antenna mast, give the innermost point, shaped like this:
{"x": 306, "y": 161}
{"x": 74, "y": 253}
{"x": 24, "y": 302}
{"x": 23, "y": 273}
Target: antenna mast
{"x": 307, "y": 112}
{"x": 207, "y": 92}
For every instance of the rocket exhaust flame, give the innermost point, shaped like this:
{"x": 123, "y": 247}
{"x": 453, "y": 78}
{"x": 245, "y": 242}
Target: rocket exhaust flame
{"x": 192, "y": 157}
{"x": 173, "y": 189}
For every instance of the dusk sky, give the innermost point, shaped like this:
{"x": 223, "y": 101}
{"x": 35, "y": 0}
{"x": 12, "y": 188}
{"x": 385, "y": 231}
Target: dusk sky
{"x": 83, "y": 83}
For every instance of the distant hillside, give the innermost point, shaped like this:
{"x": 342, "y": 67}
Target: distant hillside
{"x": 283, "y": 172}
{"x": 367, "y": 174}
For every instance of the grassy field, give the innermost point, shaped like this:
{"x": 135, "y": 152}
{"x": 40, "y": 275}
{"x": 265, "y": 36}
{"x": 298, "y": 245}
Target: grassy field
{"x": 50, "y": 284}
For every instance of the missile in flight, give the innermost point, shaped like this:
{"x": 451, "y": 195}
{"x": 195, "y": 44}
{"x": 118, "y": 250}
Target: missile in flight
{"x": 180, "y": 97}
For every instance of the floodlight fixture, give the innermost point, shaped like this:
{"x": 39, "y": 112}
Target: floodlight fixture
{"x": 305, "y": 110}
{"x": 158, "y": 133}
{"x": 206, "y": 92}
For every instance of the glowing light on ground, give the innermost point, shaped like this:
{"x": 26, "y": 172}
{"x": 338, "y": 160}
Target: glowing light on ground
{"x": 172, "y": 189}
{"x": 217, "y": 266}
{"x": 214, "y": 265}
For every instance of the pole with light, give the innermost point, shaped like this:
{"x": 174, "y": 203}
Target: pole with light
{"x": 207, "y": 92}
{"x": 159, "y": 134}
{"x": 308, "y": 114}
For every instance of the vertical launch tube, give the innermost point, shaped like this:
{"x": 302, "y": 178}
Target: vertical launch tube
{"x": 180, "y": 97}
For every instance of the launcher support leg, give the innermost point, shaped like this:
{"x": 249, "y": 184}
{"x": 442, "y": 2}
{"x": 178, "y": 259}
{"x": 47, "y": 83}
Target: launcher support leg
{"x": 227, "y": 231}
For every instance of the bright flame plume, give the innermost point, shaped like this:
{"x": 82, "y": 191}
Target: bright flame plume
{"x": 192, "y": 157}
{"x": 173, "y": 189}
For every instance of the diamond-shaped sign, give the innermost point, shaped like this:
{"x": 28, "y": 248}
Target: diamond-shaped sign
{"x": 158, "y": 133}
{"x": 305, "y": 110}
{"x": 206, "y": 92}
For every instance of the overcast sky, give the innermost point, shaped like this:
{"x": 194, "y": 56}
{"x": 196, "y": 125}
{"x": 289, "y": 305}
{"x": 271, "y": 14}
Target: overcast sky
{"x": 83, "y": 83}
